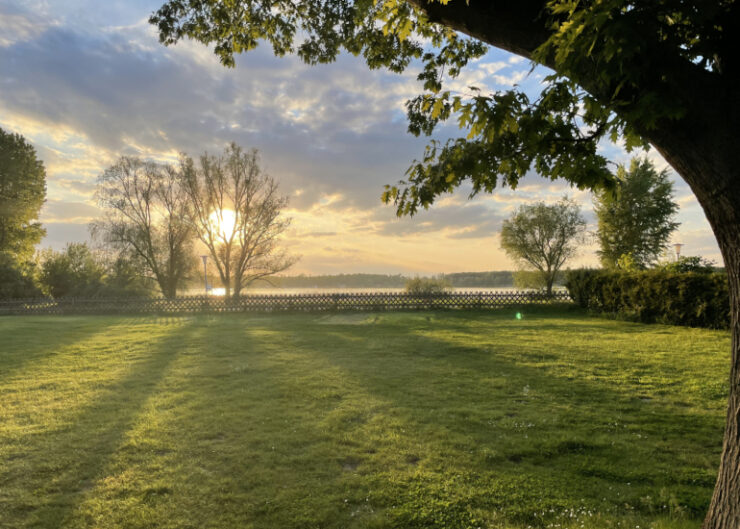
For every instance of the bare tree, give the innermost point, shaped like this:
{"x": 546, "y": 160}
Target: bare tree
{"x": 145, "y": 215}
{"x": 236, "y": 212}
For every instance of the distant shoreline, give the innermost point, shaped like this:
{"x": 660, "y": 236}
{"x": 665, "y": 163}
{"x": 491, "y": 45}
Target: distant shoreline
{"x": 491, "y": 279}
{"x": 355, "y": 283}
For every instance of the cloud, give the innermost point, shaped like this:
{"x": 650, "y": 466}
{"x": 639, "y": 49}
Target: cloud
{"x": 58, "y": 234}
{"x": 321, "y": 234}
{"x": 470, "y": 220}
{"x": 18, "y": 25}
{"x": 88, "y": 81}
{"x": 79, "y": 187}
{"x": 74, "y": 212}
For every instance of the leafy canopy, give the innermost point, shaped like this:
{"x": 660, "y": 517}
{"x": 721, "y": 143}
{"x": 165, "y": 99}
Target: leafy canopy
{"x": 543, "y": 237}
{"x": 22, "y": 193}
{"x": 636, "y": 218}
{"x": 78, "y": 271}
{"x": 17, "y": 280}
{"x": 689, "y": 263}
{"x": 603, "y": 53}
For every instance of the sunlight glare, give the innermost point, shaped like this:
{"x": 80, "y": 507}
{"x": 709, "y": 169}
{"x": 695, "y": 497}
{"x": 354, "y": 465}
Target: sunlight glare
{"x": 223, "y": 223}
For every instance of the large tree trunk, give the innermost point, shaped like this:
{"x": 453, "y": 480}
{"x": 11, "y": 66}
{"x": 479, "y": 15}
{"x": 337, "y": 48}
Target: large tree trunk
{"x": 724, "y": 510}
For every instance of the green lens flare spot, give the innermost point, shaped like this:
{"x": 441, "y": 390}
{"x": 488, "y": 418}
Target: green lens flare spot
{"x": 518, "y": 315}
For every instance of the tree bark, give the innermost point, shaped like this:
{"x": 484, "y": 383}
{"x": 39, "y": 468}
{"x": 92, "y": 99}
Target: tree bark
{"x": 724, "y": 510}
{"x": 701, "y": 146}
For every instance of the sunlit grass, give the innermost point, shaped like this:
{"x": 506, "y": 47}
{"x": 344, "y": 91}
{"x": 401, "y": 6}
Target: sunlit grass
{"x": 441, "y": 419}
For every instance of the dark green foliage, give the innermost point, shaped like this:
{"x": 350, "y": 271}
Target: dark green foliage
{"x": 16, "y": 280}
{"x": 691, "y": 263}
{"x": 692, "y": 299}
{"x": 79, "y": 272}
{"x": 126, "y": 277}
{"x": 22, "y": 193}
{"x": 636, "y": 218}
{"x": 605, "y": 54}
{"x": 73, "y": 272}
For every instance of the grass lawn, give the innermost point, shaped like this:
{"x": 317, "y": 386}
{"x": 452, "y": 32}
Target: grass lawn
{"x": 431, "y": 419}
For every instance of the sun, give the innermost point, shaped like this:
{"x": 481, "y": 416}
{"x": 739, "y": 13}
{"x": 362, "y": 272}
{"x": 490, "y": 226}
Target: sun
{"x": 223, "y": 222}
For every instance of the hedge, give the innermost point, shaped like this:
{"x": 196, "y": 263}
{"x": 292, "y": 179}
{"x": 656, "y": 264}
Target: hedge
{"x": 654, "y": 296}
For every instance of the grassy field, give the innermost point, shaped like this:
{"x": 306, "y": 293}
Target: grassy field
{"x": 442, "y": 419}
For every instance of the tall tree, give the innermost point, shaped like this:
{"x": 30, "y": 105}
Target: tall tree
{"x": 22, "y": 193}
{"x": 663, "y": 73}
{"x": 542, "y": 237}
{"x": 236, "y": 212}
{"x": 145, "y": 215}
{"x": 636, "y": 218}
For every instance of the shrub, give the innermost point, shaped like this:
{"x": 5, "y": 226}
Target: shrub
{"x": 17, "y": 279}
{"x": 126, "y": 278}
{"x": 78, "y": 271}
{"x": 654, "y": 296}
{"x": 689, "y": 264}
{"x": 427, "y": 286}
{"x": 73, "y": 272}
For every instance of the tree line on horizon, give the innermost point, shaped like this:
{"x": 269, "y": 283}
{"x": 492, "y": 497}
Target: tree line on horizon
{"x": 494, "y": 278}
{"x": 155, "y": 214}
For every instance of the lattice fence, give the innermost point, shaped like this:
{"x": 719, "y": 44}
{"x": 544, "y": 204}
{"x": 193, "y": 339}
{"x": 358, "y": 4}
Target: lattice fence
{"x": 381, "y": 301}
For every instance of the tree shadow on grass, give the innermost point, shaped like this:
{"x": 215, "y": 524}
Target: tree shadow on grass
{"x": 27, "y": 339}
{"x": 512, "y": 425}
{"x": 293, "y": 424}
{"x": 60, "y": 466}
{"x": 253, "y": 448}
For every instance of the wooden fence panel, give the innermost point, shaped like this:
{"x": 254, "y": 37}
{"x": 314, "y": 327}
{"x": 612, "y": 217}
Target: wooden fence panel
{"x": 318, "y": 302}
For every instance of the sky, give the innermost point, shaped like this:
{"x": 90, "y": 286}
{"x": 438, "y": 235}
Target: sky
{"x": 87, "y": 81}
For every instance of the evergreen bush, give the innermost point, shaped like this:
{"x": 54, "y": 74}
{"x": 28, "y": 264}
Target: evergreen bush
{"x": 654, "y": 296}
